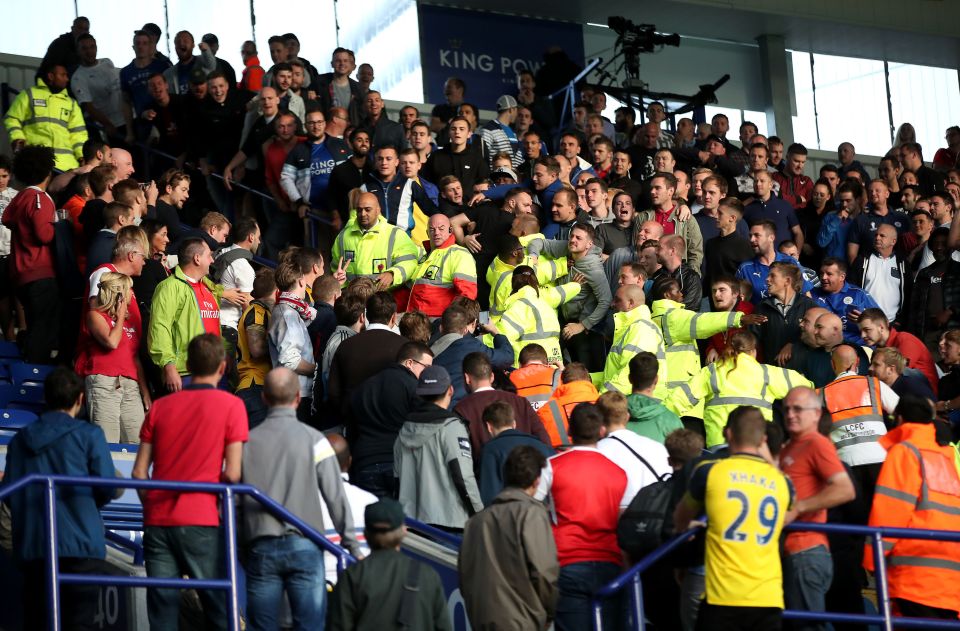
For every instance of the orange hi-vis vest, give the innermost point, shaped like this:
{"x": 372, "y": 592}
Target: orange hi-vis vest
{"x": 555, "y": 415}
{"x": 536, "y": 383}
{"x": 918, "y": 487}
{"x": 856, "y": 415}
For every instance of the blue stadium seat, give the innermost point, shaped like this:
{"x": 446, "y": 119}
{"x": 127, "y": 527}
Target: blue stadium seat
{"x": 9, "y": 350}
{"x": 29, "y": 373}
{"x": 16, "y": 419}
{"x": 26, "y": 396}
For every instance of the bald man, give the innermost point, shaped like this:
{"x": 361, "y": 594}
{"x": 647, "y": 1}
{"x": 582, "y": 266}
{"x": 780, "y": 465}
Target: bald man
{"x": 634, "y": 332}
{"x": 448, "y": 271}
{"x": 853, "y": 402}
{"x": 122, "y": 159}
{"x": 884, "y": 274}
{"x": 308, "y": 462}
{"x": 368, "y": 246}
{"x": 820, "y": 332}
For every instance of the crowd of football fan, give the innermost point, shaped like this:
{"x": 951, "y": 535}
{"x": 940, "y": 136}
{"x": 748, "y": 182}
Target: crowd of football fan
{"x": 514, "y": 330}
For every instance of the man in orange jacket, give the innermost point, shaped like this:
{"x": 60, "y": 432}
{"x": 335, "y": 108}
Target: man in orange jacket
{"x": 535, "y": 380}
{"x": 918, "y": 487}
{"x": 575, "y": 388}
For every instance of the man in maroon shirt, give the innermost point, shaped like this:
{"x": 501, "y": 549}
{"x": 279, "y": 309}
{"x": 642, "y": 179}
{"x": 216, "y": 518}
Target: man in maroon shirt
{"x": 586, "y": 489}
{"x": 795, "y": 187}
{"x": 193, "y": 435}
{"x": 30, "y": 218}
{"x": 478, "y": 376}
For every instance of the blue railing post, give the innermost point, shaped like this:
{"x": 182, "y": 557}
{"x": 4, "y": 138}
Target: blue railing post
{"x": 636, "y": 597}
{"x": 230, "y": 534}
{"x": 880, "y": 571}
{"x": 53, "y": 569}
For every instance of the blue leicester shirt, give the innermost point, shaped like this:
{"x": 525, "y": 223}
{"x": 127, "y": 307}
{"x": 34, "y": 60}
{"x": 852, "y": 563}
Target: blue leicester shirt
{"x": 321, "y": 166}
{"x": 849, "y": 298}
{"x": 756, "y": 272}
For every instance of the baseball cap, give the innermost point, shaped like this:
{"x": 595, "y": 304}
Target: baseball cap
{"x": 210, "y": 39}
{"x": 383, "y": 516}
{"x": 434, "y": 380}
{"x": 151, "y": 28}
{"x": 505, "y": 102}
{"x": 504, "y": 171}
{"x": 197, "y": 75}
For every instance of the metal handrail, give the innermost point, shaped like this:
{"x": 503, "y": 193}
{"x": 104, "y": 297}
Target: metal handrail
{"x": 876, "y": 534}
{"x": 228, "y": 493}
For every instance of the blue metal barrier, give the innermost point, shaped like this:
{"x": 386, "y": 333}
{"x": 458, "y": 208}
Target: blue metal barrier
{"x": 228, "y": 493}
{"x": 631, "y": 578}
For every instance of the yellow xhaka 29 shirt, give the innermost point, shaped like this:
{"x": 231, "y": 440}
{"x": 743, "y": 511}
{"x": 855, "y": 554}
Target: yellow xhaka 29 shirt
{"x": 745, "y": 500}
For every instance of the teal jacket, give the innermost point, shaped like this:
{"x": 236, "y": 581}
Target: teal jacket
{"x": 175, "y": 319}
{"x": 650, "y": 418}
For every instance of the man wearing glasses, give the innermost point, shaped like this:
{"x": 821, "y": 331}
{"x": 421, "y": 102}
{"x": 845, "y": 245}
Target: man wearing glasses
{"x": 306, "y": 172}
{"x": 821, "y": 482}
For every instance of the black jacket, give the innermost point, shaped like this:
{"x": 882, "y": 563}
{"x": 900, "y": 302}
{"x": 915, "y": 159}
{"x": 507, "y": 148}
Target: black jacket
{"x": 380, "y": 406}
{"x": 469, "y": 166}
{"x": 100, "y": 249}
{"x": 779, "y": 330}
{"x": 690, "y": 285}
{"x": 385, "y": 132}
{"x": 861, "y": 268}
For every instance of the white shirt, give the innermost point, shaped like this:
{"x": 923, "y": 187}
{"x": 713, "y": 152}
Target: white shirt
{"x": 100, "y": 85}
{"x": 639, "y": 475}
{"x": 882, "y": 281}
{"x": 6, "y": 196}
{"x": 239, "y": 275}
{"x": 358, "y": 499}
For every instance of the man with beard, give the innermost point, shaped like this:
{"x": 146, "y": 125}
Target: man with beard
{"x": 178, "y": 75}
{"x": 46, "y": 115}
{"x": 347, "y": 176}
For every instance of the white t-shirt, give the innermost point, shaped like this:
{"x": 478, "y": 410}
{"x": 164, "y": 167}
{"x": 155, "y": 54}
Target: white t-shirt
{"x": 882, "y": 281}
{"x": 639, "y": 475}
{"x": 358, "y": 500}
{"x": 239, "y": 275}
{"x": 6, "y": 196}
{"x": 100, "y": 85}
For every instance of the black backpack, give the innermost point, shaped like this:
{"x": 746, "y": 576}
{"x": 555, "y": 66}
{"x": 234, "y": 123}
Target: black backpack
{"x": 647, "y": 523}
{"x": 222, "y": 262}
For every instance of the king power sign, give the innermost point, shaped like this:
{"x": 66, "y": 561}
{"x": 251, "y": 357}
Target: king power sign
{"x": 486, "y": 50}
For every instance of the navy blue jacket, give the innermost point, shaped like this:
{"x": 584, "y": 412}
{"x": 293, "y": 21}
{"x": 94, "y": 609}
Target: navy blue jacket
{"x": 501, "y": 356}
{"x": 100, "y": 250}
{"x": 59, "y": 444}
{"x": 495, "y": 454}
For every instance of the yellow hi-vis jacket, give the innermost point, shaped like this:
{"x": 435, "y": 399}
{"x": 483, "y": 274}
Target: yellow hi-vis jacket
{"x": 724, "y": 386}
{"x": 382, "y": 248}
{"x": 681, "y": 329}
{"x": 500, "y": 276}
{"x": 40, "y": 117}
{"x": 530, "y": 318}
{"x": 634, "y": 332}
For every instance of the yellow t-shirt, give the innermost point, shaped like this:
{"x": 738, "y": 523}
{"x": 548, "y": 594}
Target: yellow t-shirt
{"x": 745, "y": 500}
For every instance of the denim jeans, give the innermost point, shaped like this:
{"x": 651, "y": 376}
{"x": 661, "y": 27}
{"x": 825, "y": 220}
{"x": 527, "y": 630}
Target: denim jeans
{"x": 806, "y": 578}
{"x": 377, "y": 479}
{"x": 252, "y": 398}
{"x": 578, "y": 582}
{"x": 171, "y": 552}
{"x": 290, "y": 563}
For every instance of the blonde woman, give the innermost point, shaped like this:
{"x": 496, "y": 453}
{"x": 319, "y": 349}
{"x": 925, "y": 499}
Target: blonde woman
{"x": 107, "y": 360}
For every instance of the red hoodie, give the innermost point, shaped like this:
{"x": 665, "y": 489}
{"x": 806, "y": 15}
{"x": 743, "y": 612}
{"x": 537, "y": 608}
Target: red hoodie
{"x": 30, "y": 217}
{"x": 718, "y": 341}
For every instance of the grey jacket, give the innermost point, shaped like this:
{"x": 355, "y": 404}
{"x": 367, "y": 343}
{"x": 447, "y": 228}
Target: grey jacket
{"x": 288, "y": 461}
{"x": 589, "y": 308}
{"x": 433, "y": 460}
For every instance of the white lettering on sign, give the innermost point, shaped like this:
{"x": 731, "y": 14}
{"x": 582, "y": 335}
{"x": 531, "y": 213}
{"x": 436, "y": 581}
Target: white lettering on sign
{"x": 323, "y": 167}
{"x": 484, "y": 62}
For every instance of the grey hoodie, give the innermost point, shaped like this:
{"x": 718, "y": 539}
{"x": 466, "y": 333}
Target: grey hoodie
{"x": 589, "y": 308}
{"x": 433, "y": 460}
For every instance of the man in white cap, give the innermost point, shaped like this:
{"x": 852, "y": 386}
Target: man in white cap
{"x": 498, "y": 136}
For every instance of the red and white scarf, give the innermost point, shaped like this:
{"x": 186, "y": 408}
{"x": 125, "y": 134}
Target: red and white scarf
{"x": 307, "y": 313}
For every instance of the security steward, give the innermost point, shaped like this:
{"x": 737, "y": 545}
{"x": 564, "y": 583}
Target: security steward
{"x": 45, "y": 114}
{"x": 447, "y": 271}
{"x": 369, "y": 246}
{"x": 633, "y": 332}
